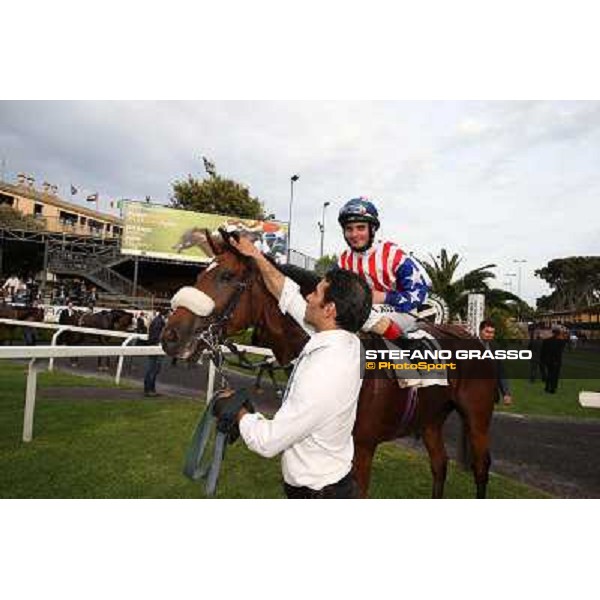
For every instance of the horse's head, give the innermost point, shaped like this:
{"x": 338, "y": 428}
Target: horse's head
{"x": 120, "y": 320}
{"x": 219, "y": 303}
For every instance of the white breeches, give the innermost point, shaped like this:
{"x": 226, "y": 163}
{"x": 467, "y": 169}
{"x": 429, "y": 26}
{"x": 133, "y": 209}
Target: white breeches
{"x": 405, "y": 321}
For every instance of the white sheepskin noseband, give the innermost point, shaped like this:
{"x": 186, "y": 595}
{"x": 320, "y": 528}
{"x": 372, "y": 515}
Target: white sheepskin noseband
{"x": 194, "y": 300}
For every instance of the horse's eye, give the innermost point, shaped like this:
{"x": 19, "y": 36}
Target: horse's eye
{"x": 226, "y": 276}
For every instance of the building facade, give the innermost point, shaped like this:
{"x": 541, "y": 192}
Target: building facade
{"x": 55, "y": 214}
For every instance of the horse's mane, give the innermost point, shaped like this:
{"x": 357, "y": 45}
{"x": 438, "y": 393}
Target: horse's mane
{"x": 307, "y": 280}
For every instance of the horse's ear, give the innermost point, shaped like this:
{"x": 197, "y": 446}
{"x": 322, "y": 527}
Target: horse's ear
{"x": 227, "y": 235}
{"x": 212, "y": 243}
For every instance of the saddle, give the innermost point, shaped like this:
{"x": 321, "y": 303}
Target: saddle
{"x": 424, "y": 338}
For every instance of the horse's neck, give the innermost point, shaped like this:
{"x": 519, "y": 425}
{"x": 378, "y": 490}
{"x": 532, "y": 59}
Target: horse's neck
{"x": 279, "y": 332}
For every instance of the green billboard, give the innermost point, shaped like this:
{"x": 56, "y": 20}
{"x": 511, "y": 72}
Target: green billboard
{"x": 158, "y": 231}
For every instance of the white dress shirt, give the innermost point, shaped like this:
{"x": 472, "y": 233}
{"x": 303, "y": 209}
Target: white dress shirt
{"x": 313, "y": 427}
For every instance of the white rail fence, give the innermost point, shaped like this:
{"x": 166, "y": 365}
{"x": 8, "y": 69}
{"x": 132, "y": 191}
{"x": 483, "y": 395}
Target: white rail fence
{"x": 52, "y": 311}
{"x": 34, "y": 353}
{"x": 60, "y": 329}
{"x": 589, "y": 399}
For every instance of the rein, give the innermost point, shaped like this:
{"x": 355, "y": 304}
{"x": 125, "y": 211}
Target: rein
{"x": 196, "y": 466}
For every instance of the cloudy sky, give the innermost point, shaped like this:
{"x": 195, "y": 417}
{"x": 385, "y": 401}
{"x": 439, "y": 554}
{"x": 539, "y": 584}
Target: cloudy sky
{"x": 492, "y": 181}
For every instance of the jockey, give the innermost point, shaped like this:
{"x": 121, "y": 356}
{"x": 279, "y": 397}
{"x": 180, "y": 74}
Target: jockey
{"x": 395, "y": 278}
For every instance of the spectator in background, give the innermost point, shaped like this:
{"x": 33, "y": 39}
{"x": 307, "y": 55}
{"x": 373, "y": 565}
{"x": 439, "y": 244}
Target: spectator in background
{"x": 66, "y": 315}
{"x": 535, "y": 345}
{"x": 29, "y": 336}
{"x": 487, "y": 332}
{"x": 21, "y": 291}
{"x": 92, "y": 298}
{"x": 573, "y": 339}
{"x": 140, "y": 323}
{"x": 153, "y": 363}
{"x": 60, "y": 296}
{"x": 551, "y": 358}
{"x": 30, "y": 291}
{"x": 11, "y": 285}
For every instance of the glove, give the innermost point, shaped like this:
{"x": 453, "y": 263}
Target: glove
{"x": 226, "y": 406}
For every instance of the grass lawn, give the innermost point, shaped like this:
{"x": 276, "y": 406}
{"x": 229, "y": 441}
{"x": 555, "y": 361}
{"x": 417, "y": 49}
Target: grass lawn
{"x": 530, "y": 399}
{"x": 112, "y": 448}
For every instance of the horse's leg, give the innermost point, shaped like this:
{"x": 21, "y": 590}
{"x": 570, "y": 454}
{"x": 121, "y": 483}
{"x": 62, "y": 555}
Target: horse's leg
{"x": 438, "y": 458}
{"x": 481, "y": 460}
{"x": 363, "y": 461}
{"x": 478, "y": 428}
{"x": 474, "y": 399}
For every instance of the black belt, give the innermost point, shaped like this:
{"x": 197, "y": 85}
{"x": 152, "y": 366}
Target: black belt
{"x": 344, "y": 488}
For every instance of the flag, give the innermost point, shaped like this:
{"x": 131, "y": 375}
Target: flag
{"x": 92, "y": 197}
{"x": 209, "y": 167}
{"x": 73, "y": 190}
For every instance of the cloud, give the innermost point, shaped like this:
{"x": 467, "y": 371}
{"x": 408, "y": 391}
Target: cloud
{"x": 490, "y": 180}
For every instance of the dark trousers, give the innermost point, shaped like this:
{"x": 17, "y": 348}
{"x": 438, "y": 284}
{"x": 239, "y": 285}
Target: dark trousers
{"x": 552, "y": 375}
{"x": 152, "y": 369}
{"x": 29, "y": 336}
{"x": 345, "y": 488}
{"x": 534, "y": 366}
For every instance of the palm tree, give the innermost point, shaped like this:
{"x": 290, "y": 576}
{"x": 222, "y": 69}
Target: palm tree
{"x": 442, "y": 270}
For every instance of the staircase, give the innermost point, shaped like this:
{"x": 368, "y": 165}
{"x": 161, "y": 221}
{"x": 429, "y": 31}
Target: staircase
{"x": 95, "y": 264}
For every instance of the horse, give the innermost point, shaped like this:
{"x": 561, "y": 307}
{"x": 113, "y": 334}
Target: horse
{"x": 21, "y": 313}
{"x": 385, "y": 410}
{"x": 113, "y": 320}
{"x": 71, "y": 338}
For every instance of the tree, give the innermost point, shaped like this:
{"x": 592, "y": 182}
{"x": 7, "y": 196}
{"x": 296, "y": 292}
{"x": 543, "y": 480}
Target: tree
{"x": 576, "y": 283}
{"x": 216, "y": 195}
{"x": 455, "y": 292}
{"x": 13, "y": 219}
{"x": 325, "y": 263}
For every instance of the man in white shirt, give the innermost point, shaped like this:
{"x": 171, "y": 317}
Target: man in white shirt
{"x": 11, "y": 285}
{"x": 313, "y": 427}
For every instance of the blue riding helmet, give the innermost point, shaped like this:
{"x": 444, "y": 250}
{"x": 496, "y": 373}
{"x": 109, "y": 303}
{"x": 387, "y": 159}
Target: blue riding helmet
{"x": 359, "y": 210}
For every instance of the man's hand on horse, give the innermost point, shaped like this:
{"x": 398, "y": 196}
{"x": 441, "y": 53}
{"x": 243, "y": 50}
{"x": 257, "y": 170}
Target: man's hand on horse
{"x": 246, "y": 247}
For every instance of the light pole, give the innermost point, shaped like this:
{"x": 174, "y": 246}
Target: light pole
{"x": 322, "y": 227}
{"x": 509, "y": 281}
{"x": 519, "y": 261}
{"x": 293, "y": 179}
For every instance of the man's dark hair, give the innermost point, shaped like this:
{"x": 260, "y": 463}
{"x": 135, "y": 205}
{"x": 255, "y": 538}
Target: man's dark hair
{"x": 351, "y": 296}
{"x": 486, "y": 323}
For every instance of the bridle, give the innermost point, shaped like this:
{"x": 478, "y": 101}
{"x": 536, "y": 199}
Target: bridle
{"x": 212, "y": 337}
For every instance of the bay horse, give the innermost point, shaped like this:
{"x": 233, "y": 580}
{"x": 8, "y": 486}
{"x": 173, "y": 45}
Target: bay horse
{"x": 20, "y": 313}
{"x": 113, "y": 320}
{"x": 241, "y": 300}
